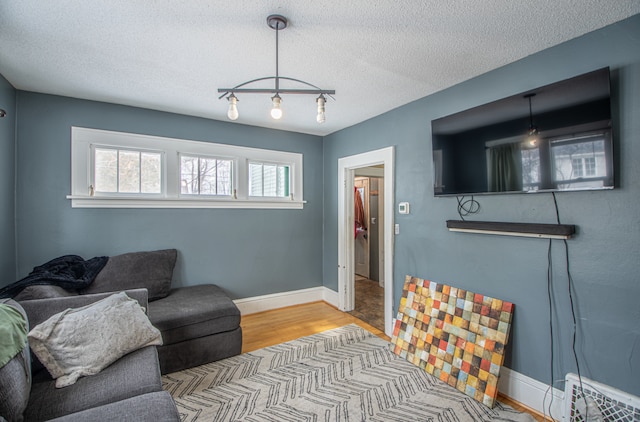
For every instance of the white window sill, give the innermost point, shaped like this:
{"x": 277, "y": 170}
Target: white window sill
{"x": 182, "y": 202}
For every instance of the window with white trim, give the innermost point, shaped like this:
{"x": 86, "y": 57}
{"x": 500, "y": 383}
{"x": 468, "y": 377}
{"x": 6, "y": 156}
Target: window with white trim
{"x": 267, "y": 179}
{"x": 125, "y": 170}
{"x": 119, "y": 170}
{"x": 205, "y": 176}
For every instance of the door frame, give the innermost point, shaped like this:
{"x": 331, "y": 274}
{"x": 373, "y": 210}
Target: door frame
{"x": 346, "y": 244}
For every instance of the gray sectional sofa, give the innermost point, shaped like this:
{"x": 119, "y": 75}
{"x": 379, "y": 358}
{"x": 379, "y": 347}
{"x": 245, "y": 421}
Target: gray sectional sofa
{"x": 130, "y": 389}
{"x": 198, "y": 324}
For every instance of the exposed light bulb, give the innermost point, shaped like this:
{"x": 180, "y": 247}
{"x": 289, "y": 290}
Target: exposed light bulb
{"x": 532, "y": 139}
{"x": 276, "y": 111}
{"x": 232, "y": 114}
{"x": 320, "y": 118}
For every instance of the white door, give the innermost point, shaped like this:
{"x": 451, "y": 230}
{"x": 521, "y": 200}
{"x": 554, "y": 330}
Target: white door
{"x": 362, "y": 247}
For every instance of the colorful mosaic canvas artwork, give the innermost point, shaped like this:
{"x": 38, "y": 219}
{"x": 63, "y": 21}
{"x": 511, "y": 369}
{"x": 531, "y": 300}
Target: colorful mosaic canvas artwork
{"x": 456, "y": 335}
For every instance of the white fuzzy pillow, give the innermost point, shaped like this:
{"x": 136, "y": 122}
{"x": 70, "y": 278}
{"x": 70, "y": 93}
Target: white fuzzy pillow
{"x": 84, "y": 341}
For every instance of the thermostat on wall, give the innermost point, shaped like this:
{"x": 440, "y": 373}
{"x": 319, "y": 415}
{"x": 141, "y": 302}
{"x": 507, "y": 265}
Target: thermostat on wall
{"x": 403, "y": 208}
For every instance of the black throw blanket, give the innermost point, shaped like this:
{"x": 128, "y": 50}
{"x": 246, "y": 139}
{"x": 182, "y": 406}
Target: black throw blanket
{"x": 70, "y": 272}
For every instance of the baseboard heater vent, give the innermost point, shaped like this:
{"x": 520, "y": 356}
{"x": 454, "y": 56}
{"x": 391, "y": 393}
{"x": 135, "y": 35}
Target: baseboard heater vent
{"x": 597, "y": 402}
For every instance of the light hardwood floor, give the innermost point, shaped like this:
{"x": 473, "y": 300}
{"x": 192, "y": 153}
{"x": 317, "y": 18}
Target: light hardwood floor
{"x": 277, "y": 326}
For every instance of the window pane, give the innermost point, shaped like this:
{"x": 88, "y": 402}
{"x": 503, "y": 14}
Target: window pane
{"x": 576, "y": 167}
{"x": 128, "y": 171}
{"x": 205, "y": 176}
{"x": 283, "y": 181}
{"x": 255, "y": 179}
{"x": 590, "y": 166}
{"x": 569, "y": 158}
{"x": 576, "y": 162}
{"x": 269, "y": 180}
{"x": 189, "y": 175}
{"x": 208, "y": 170}
{"x": 151, "y": 169}
{"x": 106, "y": 170}
{"x": 530, "y": 169}
{"x": 224, "y": 177}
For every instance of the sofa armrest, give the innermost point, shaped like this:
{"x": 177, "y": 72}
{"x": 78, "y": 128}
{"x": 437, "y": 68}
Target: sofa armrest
{"x": 39, "y": 310}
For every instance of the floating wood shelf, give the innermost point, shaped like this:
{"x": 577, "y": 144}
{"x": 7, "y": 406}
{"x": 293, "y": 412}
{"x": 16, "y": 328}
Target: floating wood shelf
{"x": 542, "y": 231}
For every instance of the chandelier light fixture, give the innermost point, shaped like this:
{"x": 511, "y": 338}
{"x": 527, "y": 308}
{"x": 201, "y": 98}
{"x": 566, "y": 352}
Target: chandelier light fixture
{"x": 532, "y": 135}
{"x": 277, "y": 23}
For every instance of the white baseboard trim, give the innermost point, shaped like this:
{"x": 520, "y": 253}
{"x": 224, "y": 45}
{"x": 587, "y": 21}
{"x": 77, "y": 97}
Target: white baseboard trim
{"x": 530, "y": 392}
{"x": 252, "y": 305}
{"x": 330, "y": 296}
{"x": 515, "y": 385}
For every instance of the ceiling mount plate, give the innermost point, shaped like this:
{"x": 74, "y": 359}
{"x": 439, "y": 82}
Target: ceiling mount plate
{"x": 277, "y": 22}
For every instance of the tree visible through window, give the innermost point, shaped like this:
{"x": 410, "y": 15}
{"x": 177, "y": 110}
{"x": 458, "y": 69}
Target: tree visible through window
{"x": 127, "y": 171}
{"x": 205, "y": 176}
{"x": 579, "y": 161}
{"x": 530, "y": 169}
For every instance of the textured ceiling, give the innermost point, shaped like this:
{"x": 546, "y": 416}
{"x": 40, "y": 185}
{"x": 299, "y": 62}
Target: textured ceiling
{"x": 377, "y": 55}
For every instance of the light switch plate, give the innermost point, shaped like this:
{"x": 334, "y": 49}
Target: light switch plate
{"x": 403, "y": 208}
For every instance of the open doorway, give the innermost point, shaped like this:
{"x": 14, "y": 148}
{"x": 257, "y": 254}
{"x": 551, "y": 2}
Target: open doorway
{"x": 369, "y": 245}
{"x": 349, "y": 168}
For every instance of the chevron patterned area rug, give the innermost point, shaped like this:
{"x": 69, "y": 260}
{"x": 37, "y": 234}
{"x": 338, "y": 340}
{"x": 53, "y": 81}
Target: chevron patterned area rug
{"x": 345, "y": 374}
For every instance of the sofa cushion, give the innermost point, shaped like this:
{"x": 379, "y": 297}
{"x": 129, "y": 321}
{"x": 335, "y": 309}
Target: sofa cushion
{"x": 192, "y": 312}
{"x": 43, "y": 291}
{"x": 15, "y": 375}
{"x": 152, "y": 407}
{"x": 83, "y": 341}
{"x": 132, "y": 375}
{"x": 151, "y": 270}
{"x": 198, "y": 351}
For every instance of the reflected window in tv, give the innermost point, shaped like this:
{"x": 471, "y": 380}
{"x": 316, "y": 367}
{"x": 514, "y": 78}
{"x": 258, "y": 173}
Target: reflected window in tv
{"x": 553, "y": 138}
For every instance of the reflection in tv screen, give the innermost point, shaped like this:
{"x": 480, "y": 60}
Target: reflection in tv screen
{"x": 554, "y": 138}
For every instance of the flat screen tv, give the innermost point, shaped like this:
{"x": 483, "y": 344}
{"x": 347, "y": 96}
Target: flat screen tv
{"x": 556, "y": 137}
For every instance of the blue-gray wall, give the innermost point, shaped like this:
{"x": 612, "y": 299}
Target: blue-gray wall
{"x": 247, "y": 252}
{"x": 254, "y": 252}
{"x": 7, "y": 183}
{"x": 604, "y": 256}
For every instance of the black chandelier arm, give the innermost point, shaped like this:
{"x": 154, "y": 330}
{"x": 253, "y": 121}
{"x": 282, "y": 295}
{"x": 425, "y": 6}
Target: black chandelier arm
{"x": 276, "y": 90}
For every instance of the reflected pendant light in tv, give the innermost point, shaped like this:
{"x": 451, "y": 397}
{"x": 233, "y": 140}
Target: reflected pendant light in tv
{"x": 556, "y": 137}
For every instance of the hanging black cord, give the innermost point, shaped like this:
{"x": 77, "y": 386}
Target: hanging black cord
{"x": 573, "y": 312}
{"x": 573, "y": 316}
{"x": 555, "y": 204}
{"x": 549, "y": 296}
{"x": 465, "y": 208}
